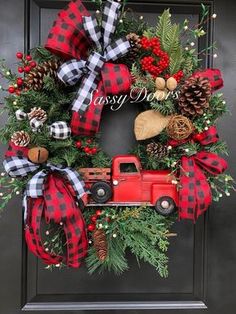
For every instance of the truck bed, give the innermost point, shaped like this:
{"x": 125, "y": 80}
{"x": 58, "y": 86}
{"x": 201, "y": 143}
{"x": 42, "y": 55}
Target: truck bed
{"x": 91, "y": 175}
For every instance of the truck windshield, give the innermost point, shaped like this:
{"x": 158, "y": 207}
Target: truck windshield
{"x": 128, "y": 168}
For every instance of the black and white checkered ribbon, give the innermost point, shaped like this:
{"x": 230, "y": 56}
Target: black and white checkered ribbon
{"x": 21, "y": 167}
{"x": 59, "y": 130}
{"x": 71, "y": 71}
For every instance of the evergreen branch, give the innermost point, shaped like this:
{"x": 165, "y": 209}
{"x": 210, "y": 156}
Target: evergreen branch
{"x": 176, "y": 60}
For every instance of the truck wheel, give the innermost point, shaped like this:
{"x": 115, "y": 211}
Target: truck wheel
{"x": 101, "y": 192}
{"x": 165, "y": 205}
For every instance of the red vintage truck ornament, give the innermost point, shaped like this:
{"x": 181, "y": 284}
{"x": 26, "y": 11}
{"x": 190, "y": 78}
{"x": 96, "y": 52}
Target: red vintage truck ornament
{"x": 127, "y": 184}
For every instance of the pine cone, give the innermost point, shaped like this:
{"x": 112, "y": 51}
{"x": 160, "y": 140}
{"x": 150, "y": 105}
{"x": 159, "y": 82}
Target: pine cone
{"x": 156, "y": 150}
{"x": 20, "y": 138}
{"x": 134, "y": 40}
{"x": 100, "y": 244}
{"x": 37, "y": 113}
{"x": 194, "y": 96}
{"x": 34, "y": 80}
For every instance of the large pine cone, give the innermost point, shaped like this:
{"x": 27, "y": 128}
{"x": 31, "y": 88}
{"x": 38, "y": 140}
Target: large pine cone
{"x": 156, "y": 150}
{"x": 20, "y": 138}
{"x": 194, "y": 96}
{"x": 34, "y": 80}
{"x": 37, "y": 113}
{"x": 100, "y": 244}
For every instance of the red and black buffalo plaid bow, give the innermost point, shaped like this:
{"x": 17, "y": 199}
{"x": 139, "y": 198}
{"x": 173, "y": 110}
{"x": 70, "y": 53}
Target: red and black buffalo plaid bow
{"x": 73, "y": 34}
{"x": 195, "y": 193}
{"x": 49, "y": 195}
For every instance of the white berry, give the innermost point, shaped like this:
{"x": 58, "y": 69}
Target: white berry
{"x": 114, "y": 235}
{"x": 214, "y": 15}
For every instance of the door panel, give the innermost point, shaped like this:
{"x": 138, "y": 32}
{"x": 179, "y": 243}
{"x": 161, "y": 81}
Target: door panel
{"x": 201, "y": 265}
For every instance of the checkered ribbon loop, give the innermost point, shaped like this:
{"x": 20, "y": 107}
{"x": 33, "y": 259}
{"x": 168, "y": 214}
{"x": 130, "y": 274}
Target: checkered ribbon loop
{"x": 195, "y": 193}
{"x": 59, "y": 130}
{"x": 90, "y": 71}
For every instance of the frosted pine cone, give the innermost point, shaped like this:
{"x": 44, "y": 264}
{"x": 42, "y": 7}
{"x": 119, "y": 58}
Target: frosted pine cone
{"x": 21, "y": 138}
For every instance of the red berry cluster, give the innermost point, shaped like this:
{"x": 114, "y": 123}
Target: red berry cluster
{"x": 88, "y": 146}
{"x": 149, "y": 63}
{"x": 92, "y": 226}
{"x": 26, "y": 65}
{"x": 178, "y": 75}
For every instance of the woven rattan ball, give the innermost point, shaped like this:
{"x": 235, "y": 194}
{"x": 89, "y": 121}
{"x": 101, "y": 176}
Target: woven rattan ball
{"x": 179, "y": 128}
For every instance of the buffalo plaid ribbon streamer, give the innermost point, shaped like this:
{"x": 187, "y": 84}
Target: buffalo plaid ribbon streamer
{"x": 195, "y": 193}
{"x": 214, "y": 76}
{"x": 47, "y": 194}
{"x": 97, "y": 76}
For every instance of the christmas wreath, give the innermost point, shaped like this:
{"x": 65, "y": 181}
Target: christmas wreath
{"x": 97, "y": 208}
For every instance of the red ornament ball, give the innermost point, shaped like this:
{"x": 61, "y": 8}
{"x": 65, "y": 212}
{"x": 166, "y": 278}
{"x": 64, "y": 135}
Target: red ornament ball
{"x": 19, "y": 55}
{"x": 19, "y": 81}
{"x": 87, "y": 150}
{"x": 27, "y": 69}
{"x": 89, "y": 141}
{"x": 93, "y": 218}
{"x": 28, "y": 58}
{"x": 98, "y": 212}
{"x": 11, "y": 89}
{"x": 20, "y": 69}
{"x": 91, "y": 227}
{"x": 33, "y": 64}
{"x": 18, "y": 92}
{"x": 198, "y": 137}
{"x": 94, "y": 150}
{"x": 78, "y": 144}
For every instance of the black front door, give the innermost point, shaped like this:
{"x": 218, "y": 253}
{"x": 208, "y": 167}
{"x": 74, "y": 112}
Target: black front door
{"x": 202, "y": 263}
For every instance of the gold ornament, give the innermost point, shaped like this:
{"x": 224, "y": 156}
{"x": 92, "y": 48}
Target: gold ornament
{"x": 38, "y": 155}
{"x": 149, "y": 124}
{"x": 171, "y": 83}
{"x": 179, "y": 127}
{"x": 160, "y": 83}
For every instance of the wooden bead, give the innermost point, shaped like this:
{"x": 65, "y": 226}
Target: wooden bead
{"x": 160, "y": 83}
{"x": 160, "y": 94}
{"x": 171, "y": 83}
{"x": 38, "y": 155}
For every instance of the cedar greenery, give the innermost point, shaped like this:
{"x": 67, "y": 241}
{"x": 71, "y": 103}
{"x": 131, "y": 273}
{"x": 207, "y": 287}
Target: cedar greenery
{"x": 139, "y": 230}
